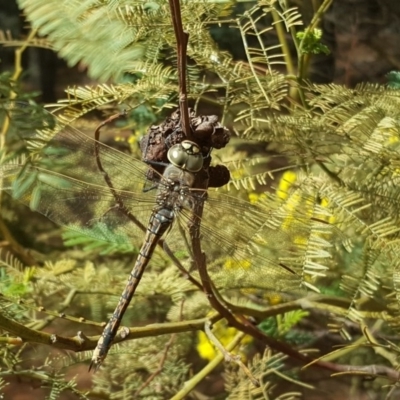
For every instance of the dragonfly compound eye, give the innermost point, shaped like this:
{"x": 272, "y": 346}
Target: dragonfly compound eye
{"x": 186, "y": 155}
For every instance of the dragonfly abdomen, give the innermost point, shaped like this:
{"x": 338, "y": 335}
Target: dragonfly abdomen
{"x": 160, "y": 221}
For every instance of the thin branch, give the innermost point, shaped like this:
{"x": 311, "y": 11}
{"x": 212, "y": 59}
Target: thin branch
{"x": 303, "y": 58}
{"x": 6, "y": 124}
{"x": 162, "y": 361}
{"x": 160, "y": 367}
{"x": 182, "y": 39}
{"x": 278, "y": 25}
{"x": 117, "y": 197}
{"x": 229, "y": 357}
{"x": 14, "y": 78}
{"x": 239, "y": 322}
{"x": 20, "y": 251}
{"x": 364, "y": 370}
{"x": 80, "y": 343}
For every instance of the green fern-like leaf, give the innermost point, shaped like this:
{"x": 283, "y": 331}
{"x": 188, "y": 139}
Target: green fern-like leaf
{"x": 99, "y": 239}
{"x": 264, "y": 367}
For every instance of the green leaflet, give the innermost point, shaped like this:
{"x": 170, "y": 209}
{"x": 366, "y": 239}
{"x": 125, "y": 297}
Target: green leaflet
{"x": 55, "y": 151}
{"x": 53, "y": 181}
{"x": 35, "y": 198}
{"x": 22, "y": 184}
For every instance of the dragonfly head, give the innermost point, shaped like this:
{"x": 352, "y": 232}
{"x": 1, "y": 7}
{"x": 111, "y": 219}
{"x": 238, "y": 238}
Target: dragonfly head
{"x": 186, "y": 155}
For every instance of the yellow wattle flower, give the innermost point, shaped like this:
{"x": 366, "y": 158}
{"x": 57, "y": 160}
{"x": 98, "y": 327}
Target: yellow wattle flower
{"x": 225, "y": 335}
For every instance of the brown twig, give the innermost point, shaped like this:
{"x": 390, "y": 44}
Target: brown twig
{"x": 117, "y": 197}
{"x": 160, "y": 366}
{"x": 241, "y": 323}
{"x": 363, "y": 370}
{"x": 77, "y": 344}
{"x": 237, "y": 321}
{"x": 21, "y": 252}
{"x": 182, "y": 39}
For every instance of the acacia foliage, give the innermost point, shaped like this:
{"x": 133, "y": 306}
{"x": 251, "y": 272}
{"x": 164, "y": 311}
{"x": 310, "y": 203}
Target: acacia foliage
{"x": 340, "y": 148}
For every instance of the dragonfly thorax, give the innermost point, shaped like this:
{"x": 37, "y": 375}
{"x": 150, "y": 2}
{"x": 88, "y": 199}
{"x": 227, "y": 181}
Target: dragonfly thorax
{"x": 178, "y": 177}
{"x": 174, "y": 191}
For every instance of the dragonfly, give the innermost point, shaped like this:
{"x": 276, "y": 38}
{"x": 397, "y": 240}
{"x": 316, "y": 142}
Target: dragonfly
{"x": 90, "y": 187}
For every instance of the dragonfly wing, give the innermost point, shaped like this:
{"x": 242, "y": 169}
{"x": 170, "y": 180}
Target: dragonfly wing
{"x": 62, "y": 180}
{"x": 272, "y": 245}
{"x": 258, "y": 246}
